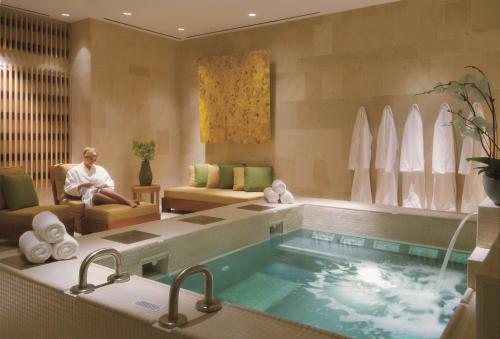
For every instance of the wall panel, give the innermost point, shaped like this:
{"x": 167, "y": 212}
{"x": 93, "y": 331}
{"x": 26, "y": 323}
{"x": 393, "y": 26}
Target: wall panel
{"x": 34, "y": 93}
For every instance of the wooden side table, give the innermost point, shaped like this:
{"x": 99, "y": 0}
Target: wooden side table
{"x": 154, "y": 190}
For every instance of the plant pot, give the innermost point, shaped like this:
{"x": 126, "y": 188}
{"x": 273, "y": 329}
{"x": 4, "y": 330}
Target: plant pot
{"x": 492, "y": 189}
{"x": 145, "y": 175}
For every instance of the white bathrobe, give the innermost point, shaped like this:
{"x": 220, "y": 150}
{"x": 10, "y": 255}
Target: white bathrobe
{"x": 473, "y": 192}
{"x": 386, "y": 161}
{"x": 443, "y": 162}
{"x": 80, "y": 174}
{"x": 412, "y": 163}
{"x": 360, "y": 157}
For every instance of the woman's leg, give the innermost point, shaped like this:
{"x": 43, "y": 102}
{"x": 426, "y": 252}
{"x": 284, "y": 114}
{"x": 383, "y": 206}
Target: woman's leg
{"x": 101, "y": 199}
{"x": 118, "y": 198}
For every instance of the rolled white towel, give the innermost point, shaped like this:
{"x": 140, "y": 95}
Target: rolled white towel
{"x": 34, "y": 249}
{"x": 287, "y": 198}
{"x": 48, "y": 227}
{"x": 65, "y": 249}
{"x": 271, "y": 196}
{"x": 279, "y": 186}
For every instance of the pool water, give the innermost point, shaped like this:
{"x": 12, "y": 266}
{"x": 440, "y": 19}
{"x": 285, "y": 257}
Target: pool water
{"x": 362, "y": 288}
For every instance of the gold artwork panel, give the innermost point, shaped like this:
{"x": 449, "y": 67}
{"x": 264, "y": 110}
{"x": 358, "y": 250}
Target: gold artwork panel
{"x": 234, "y": 98}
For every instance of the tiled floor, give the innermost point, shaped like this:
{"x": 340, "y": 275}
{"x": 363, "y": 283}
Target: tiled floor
{"x": 165, "y": 215}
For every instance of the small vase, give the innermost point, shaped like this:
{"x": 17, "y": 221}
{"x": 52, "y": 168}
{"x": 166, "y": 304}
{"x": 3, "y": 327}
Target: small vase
{"x": 492, "y": 189}
{"x": 145, "y": 175}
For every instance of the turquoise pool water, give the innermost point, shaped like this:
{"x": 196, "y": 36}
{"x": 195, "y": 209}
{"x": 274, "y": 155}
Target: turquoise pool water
{"x": 363, "y": 288}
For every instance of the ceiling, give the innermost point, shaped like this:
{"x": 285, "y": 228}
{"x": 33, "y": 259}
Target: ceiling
{"x": 197, "y": 17}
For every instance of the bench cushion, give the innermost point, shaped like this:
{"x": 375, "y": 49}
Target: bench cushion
{"x": 25, "y": 216}
{"x": 113, "y": 212}
{"x": 19, "y": 191}
{"x": 214, "y": 195}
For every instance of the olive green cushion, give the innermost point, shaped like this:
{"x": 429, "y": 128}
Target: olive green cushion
{"x": 19, "y": 191}
{"x": 226, "y": 175}
{"x": 200, "y": 175}
{"x": 7, "y": 171}
{"x": 258, "y": 178}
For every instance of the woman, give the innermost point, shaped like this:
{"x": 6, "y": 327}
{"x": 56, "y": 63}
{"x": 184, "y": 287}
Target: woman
{"x": 93, "y": 184}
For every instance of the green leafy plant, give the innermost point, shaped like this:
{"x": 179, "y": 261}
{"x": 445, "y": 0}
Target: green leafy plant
{"x": 144, "y": 149}
{"x": 470, "y": 88}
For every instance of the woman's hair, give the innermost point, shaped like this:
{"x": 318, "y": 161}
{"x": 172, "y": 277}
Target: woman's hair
{"x": 89, "y": 152}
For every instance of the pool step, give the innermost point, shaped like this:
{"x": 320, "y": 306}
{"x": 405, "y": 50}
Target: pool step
{"x": 416, "y": 250}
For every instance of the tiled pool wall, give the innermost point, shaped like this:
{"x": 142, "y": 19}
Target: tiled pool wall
{"x": 32, "y": 310}
{"x": 169, "y": 255}
{"x": 416, "y": 229}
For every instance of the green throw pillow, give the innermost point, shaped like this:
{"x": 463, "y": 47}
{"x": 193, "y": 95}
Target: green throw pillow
{"x": 258, "y": 178}
{"x": 226, "y": 175}
{"x": 200, "y": 175}
{"x": 19, "y": 191}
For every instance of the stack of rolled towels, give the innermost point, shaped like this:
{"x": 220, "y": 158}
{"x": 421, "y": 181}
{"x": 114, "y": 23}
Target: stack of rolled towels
{"x": 48, "y": 238}
{"x": 278, "y": 193}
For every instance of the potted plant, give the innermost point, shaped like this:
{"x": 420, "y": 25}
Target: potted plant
{"x": 146, "y": 151}
{"x": 469, "y": 89}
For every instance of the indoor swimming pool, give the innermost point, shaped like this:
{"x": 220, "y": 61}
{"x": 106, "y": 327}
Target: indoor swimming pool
{"x": 359, "y": 287}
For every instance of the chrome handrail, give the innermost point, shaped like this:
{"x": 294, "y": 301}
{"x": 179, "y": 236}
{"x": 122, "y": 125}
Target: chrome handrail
{"x": 118, "y": 276}
{"x": 208, "y": 304}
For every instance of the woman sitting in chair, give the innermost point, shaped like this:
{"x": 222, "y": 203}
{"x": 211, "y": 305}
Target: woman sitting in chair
{"x": 93, "y": 184}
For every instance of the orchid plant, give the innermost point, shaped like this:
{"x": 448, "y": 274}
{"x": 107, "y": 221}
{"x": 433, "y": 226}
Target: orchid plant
{"x": 470, "y": 88}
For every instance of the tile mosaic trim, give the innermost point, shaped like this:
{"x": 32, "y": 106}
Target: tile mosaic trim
{"x": 255, "y": 207}
{"x": 130, "y": 237}
{"x": 202, "y": 219}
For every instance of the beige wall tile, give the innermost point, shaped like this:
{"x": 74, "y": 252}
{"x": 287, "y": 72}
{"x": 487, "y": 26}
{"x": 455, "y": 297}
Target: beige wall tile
{"x": 322, "y": 70}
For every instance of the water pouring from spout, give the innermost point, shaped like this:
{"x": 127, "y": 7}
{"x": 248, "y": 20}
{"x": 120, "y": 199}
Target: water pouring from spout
{"x": 450, "y": 249}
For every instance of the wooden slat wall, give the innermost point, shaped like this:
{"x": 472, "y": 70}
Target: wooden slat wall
{"x": 34, "y": 99}
{"x": 33, "y": 34}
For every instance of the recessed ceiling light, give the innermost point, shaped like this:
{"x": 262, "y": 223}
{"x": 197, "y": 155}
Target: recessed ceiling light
{"x": 252, "y": 14}
{"x": 127, "y": 13}
{"x": 65, "y": 14}
{"x": 181, "y": 29}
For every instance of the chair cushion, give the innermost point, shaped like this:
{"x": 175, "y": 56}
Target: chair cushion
{"x": 60, "y": 171}
{"x": 113, "y": 212}
{"x": 214, "y": 195}
{"x": 19, "y": 191}
{"x": 200, "y": 175}
{"x": 258, "y": 178}
{"x": 7, "y": 171}
{"x": 77, "y": 207}
{"x": 24, "y": 216}
{"x": 226, "y": 175}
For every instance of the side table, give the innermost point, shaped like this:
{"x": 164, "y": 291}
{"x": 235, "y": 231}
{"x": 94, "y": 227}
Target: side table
{"x": 154, "y": 190}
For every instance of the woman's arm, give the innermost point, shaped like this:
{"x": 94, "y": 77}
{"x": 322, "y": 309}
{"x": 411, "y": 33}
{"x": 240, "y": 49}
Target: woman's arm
{"x": 72, "y": 184}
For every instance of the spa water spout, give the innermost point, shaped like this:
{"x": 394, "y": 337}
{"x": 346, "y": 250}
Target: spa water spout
{"x": 208, "y": 304}
{"x": 450, "y": 249}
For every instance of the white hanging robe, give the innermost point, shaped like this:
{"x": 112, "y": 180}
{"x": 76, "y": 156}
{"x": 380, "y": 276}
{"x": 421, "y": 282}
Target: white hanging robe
{"x": 386, "y": 160}
{"x": 360, "y": 157}
{"x": 473, "y": 192}
{"x": 444, "y": 190}
{"x": 412, "y": 163}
